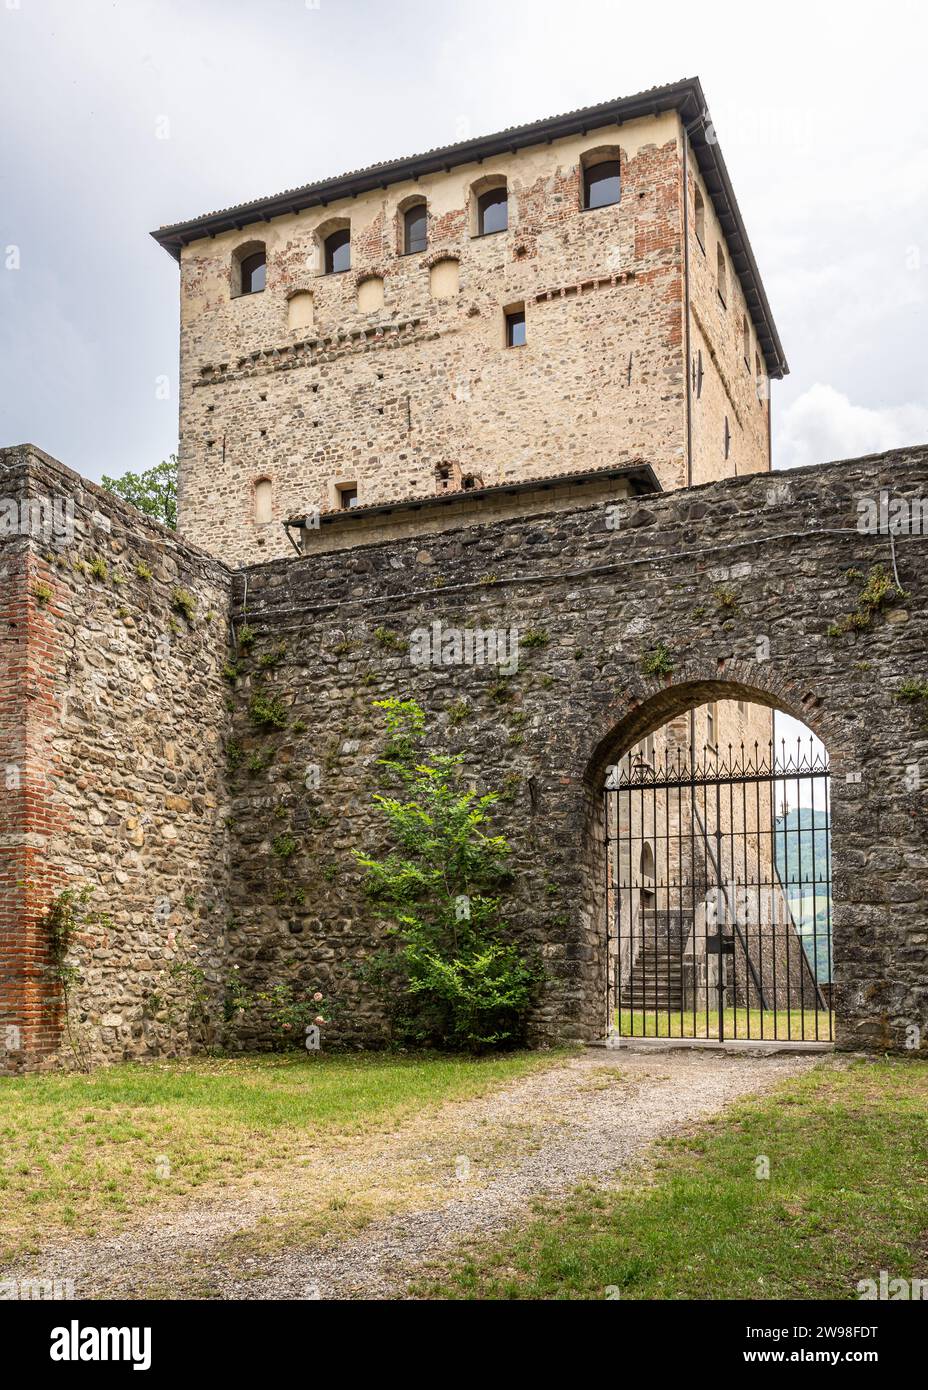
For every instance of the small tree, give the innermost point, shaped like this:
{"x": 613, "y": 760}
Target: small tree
{"x": 451, "y": 977}
{"x": 154, "y": 492}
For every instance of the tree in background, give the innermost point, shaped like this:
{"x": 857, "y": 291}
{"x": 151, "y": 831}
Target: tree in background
{"x": 154, "y": 492}
{"x": 451, "y": 977}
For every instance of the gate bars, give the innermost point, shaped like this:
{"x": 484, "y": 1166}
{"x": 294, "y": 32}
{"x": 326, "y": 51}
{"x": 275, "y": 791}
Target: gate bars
{"x": 718, "y": 894}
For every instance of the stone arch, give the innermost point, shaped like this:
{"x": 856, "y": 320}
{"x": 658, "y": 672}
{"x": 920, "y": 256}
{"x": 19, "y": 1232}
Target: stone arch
{"x": 263, "y": 500}
{"x": 697, "y": 683}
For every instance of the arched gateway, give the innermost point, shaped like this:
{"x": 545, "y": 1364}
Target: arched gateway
{"x": 717, "y": 869}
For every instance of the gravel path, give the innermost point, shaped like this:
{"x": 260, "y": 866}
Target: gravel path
{"x": 478, "y": 1165}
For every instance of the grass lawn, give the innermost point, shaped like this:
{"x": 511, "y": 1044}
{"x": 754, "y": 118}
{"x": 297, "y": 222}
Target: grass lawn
{"x": 846, "y": 1197}
{"x": 80, "y": 1153}
{"x": 781, "y": 1024}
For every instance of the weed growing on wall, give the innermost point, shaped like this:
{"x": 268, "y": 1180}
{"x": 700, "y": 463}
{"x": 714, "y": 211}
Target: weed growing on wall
{"x": 66, "y": 915}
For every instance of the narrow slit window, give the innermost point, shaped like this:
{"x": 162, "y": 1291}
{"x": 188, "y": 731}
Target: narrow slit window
{"x": 700, "y": 220}
{"x": 712, "y": 715}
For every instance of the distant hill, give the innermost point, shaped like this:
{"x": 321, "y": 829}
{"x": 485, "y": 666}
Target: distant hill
{"x": 802, "y": 847}
{"x": 802, "y": 850}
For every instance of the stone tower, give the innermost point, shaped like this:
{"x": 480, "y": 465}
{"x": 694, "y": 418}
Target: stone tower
{"x": 572, "y": 295}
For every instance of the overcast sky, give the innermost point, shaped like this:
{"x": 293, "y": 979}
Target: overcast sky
{"x": 820, "y": 110}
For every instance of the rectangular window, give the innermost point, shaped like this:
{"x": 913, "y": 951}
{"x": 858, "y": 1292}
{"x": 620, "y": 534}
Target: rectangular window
{"x": 348, "y": 496}
{"x": 515, "y": 328}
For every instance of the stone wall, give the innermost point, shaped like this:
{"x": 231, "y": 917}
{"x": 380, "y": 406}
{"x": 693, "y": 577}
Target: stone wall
{"x": 218, "y": 832}
{"x": 112, "y": 724}
{"x": 332, "y": 639}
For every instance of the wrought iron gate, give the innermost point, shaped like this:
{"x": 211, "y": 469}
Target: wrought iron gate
{"x": 719, "y": 894}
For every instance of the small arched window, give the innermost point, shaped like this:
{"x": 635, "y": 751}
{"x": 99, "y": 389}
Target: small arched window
{"x": 338, "y": 251}
{"x": 415, "y": 229}
{"x": 746, "y": 340}
{"x": 249, "y": 268}
{"x": 722, "y": 273}
{"x": 700, "y": 223}
{"x": 602, "y": 184}
{"x": 493, "y": 211}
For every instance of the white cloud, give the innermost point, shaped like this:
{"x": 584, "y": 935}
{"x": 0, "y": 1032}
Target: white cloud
{"x": 822, "y": 424}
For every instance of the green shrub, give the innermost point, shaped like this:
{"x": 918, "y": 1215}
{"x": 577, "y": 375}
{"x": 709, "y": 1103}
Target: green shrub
{"x": 451, "y": 977}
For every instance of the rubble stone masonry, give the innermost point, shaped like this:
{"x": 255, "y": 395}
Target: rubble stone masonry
{"x": 112, "y": 708}
{"x": 133, "y": 761}
{"x": 382, "y": 396}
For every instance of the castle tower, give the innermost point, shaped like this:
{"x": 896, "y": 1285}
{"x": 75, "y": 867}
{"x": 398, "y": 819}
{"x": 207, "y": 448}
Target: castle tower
{"x": 572, "y": 295}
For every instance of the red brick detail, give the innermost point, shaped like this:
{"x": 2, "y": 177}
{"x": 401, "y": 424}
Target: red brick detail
{"x": 29, "y": 817}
